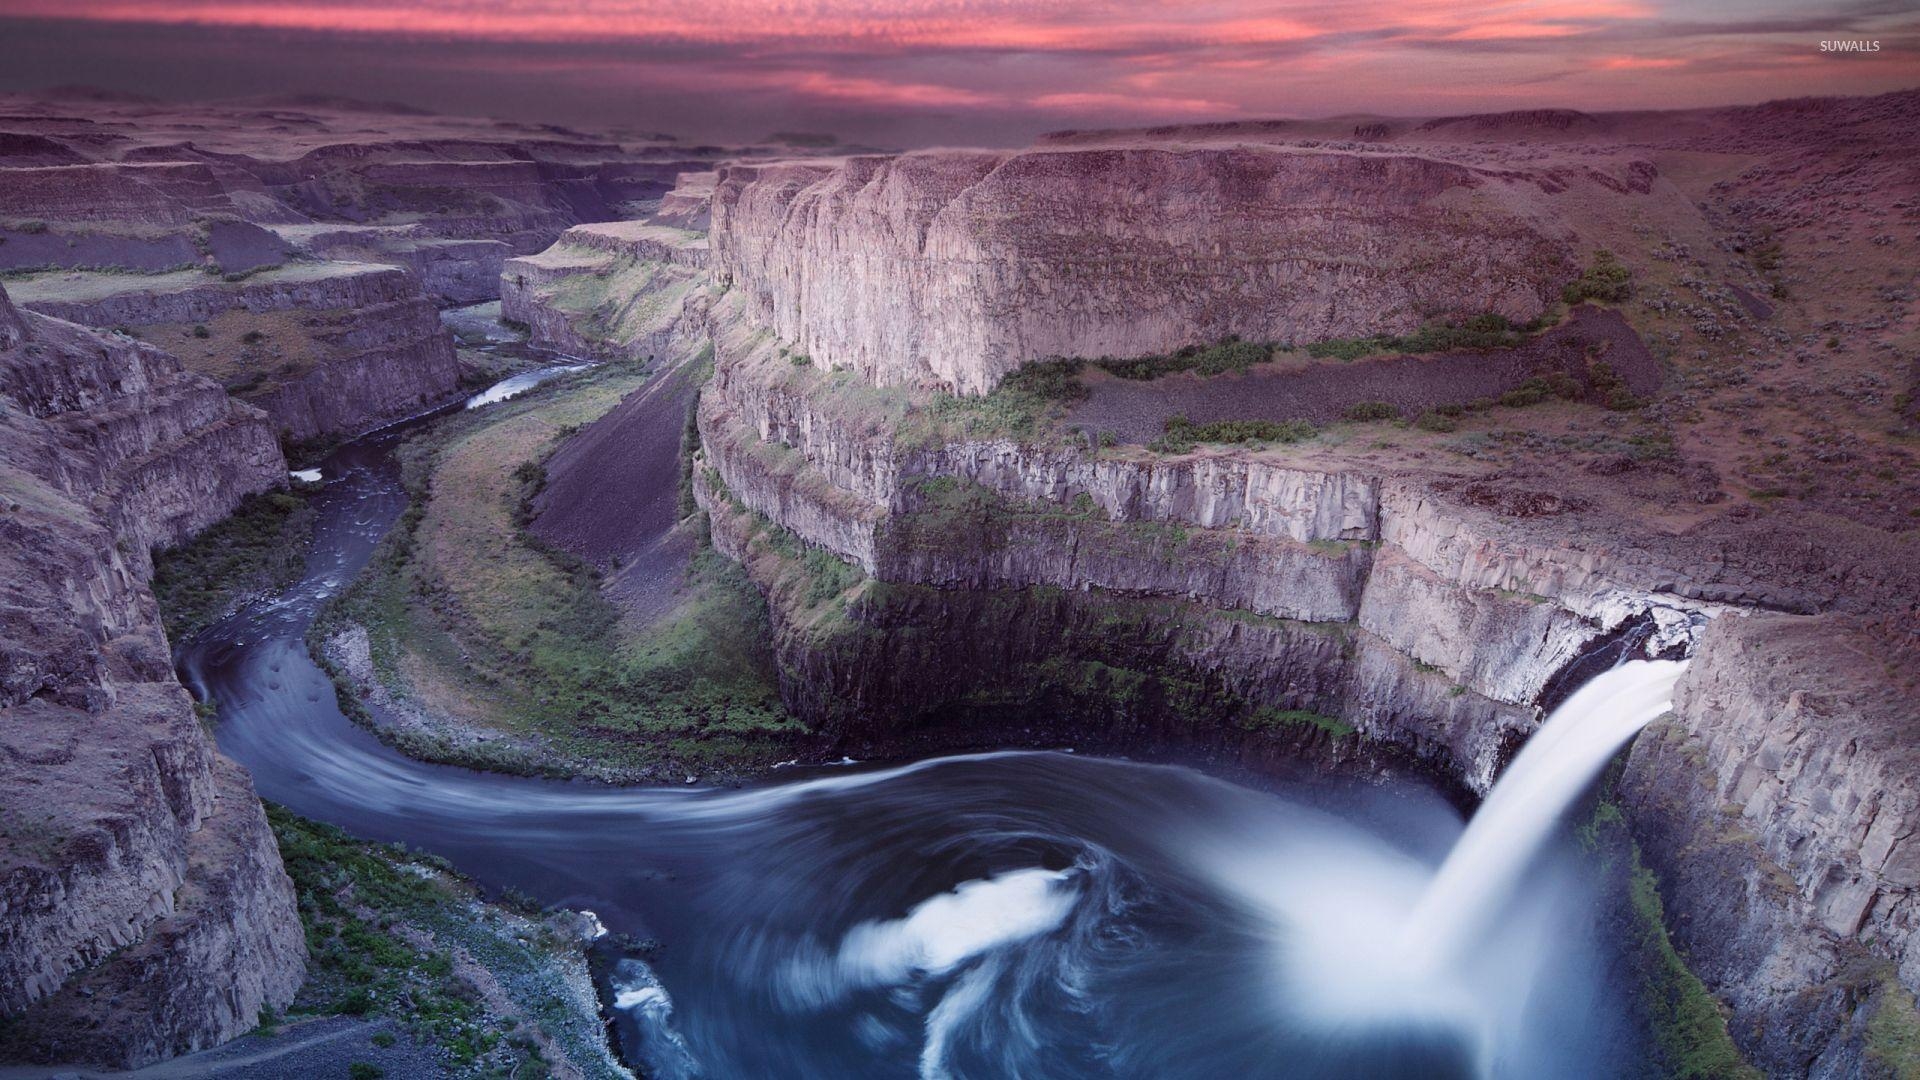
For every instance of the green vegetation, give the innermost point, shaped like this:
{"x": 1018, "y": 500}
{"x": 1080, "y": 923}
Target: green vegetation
{"x": 1362, "y": 411}
{"x": 1017, "y": 407}
{"x": 1606, "y": 280}
{"x": 1893, "y": 1031}
{"x": 1267, "y": 718}
{"x": 1612, "y": 389}
{"x": 471, "y": 616}
{"x": 1230, "y": 355}
{"x": 1182, "y": 435}
{"x": 1689, "y": 1026}
{"x": 384, "y": 929}
{"x": 1478, "y": 332}
{"x": 260, "y": 549}
{"x": 1540, "y": 388}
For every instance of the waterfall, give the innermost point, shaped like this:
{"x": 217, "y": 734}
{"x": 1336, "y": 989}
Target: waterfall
{"x": 1485, "y": 866}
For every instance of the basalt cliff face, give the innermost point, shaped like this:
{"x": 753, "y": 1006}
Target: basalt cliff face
{"x": 951, "y": 269}
{"x": 143, "y": 908}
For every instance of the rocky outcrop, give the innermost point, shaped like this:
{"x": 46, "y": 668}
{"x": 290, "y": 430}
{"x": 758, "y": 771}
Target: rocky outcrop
{"x": 611, "y": 291}
{"x": 143, "y": 910}
{"x": 450, "y": 270}
{"x": 325, "y": 348}
{"x": 690, "y": 204}
{"x": 953, "y": 268}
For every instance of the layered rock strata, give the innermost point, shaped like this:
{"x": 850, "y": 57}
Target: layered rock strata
{"x": 616, "y": 290}
{"x": 951, "y": 269}
{"x": 143, "y": 909}
{"x": 326, "y": 349}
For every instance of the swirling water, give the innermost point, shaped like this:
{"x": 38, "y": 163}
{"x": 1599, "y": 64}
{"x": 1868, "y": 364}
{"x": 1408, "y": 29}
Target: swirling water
{"x": 1010, "y": 914}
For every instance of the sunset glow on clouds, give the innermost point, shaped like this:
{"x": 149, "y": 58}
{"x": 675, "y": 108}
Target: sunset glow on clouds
{"x": 1004, "y": 66}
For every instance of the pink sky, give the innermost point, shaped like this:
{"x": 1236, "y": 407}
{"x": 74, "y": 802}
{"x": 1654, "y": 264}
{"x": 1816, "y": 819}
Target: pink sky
{"x": 986, "y": 68}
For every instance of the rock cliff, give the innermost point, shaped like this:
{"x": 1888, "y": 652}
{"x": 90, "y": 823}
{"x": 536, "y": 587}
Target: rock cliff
{"x": 1781, "y": 800}
{"x": 951, "y": 268}
{"x": 325, "y": 348}
{"x": 143, "y": 909}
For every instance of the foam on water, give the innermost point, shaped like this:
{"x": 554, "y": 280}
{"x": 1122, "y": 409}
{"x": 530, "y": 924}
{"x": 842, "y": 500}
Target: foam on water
{"x": 949, "y": 929}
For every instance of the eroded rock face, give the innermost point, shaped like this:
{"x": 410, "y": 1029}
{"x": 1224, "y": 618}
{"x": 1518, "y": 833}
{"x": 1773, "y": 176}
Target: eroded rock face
{"x": 953, "y": 268}
{"x": 359, "y": 343}
{"x": 143, "y": 909}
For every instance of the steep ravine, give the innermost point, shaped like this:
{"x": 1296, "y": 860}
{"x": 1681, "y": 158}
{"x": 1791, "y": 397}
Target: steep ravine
{"x": 1265, "y": 603}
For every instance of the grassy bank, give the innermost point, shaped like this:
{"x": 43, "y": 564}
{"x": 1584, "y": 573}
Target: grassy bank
{"x": 498, "y": 992}
{"x": 261, "y": 549}
{"x": 471, "y": 619}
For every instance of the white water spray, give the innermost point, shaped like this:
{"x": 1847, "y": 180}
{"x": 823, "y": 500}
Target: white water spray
{"x": 1517, "y": 818}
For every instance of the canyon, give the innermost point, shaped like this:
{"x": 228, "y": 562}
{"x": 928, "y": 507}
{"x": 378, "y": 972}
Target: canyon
{"x": 904, "y": 440}
{"x": 864, "y": 312}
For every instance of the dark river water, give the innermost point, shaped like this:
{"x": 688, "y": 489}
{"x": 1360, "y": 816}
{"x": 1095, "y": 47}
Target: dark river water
{"x": 998, "y": 915}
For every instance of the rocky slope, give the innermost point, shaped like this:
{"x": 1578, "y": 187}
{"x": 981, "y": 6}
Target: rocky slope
{"x": 145, "y": 909}
{"x": 325, "y": 348}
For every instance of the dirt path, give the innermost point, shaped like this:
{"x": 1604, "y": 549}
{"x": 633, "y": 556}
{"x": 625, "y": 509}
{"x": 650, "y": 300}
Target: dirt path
{"x": 1136, "y": 412}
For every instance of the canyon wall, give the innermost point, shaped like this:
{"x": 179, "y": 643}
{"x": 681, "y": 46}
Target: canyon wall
{"x": 1781, "y": 799}
{"x": 326, "y": 349}
{"x": 950, "y": 269}
{"x": 612, "y": 291}
{"x": 143, "y": 909}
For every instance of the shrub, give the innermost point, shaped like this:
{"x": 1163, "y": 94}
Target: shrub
{"x": 1540, "y": 388}
{"x": 1433, "y": 421}
{"x": 1231, "y": 354}
{"x": 200, "y": 331}
{"x": 1372, "y": 410}
{"x": 1606, "y": 280}
{"x": 365, "y": 1070}
{"x": 252, "y": 337}
{"x": 1183, "y": 434}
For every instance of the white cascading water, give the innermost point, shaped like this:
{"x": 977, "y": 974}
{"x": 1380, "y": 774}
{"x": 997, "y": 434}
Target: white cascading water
{"x": 1519, "y": 814}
